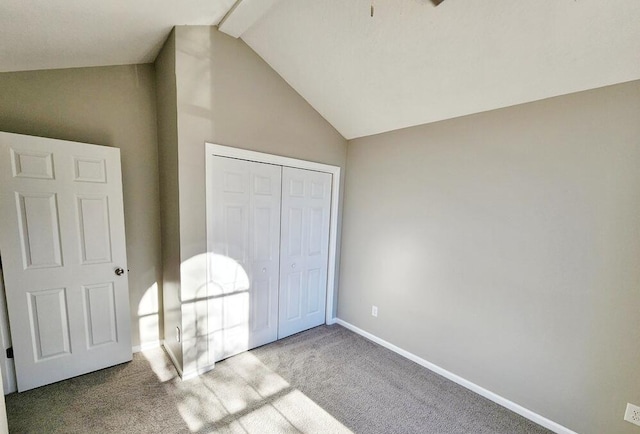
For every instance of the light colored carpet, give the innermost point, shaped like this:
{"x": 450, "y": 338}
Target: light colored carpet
{"x": 325, "y": 380}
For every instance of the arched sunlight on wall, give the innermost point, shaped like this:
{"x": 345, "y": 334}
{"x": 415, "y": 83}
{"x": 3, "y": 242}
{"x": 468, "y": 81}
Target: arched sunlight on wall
{"x": 229, "y": 289}
{"x": 215, "y": 312}
{"x": 149, "y": 318}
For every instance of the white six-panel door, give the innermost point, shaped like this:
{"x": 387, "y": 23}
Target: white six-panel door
{"x": 243, "y": 255}
{"x": 306, "y": 205}
{"x": 62, "y": 241}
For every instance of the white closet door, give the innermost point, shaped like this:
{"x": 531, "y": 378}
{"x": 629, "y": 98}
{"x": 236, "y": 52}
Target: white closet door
{"x": 244, "y": 225}
{"x": 64, "y": 257}
{"x": 306, "y": 205}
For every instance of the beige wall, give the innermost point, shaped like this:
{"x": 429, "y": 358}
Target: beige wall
{"x": 4, "y": 423}
{"x": 229, "y": 96}
{"x": 112, "y": 106}
{"x": 505, "y": 248}
{"x": 165, "y": 66}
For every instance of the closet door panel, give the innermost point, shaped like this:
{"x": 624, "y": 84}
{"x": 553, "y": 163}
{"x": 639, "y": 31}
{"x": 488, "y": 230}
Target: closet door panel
{"x": 243, "y": 255}
{"x": 306, "y": 206}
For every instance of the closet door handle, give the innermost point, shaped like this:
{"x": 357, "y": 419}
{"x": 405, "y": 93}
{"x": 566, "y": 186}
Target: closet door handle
{"x": 293, "y": 265}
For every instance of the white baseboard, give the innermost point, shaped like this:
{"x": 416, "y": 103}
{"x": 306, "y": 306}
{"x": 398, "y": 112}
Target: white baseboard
{"x": 196, "y": 372}
{"x": 173, "y": 358}
{"x": 186, "y": 375}
{"x": 516, "y": 408}
{"x": 146, "y": 346}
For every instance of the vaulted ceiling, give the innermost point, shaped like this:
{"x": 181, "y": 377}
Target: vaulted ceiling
{"x": 46, "y": 34}
{"x": 413, "y": 63}
{"x": 409, "y": 64}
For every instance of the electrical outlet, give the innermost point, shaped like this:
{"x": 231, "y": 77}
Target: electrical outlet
{"x": 178, "y": 337}
{"x": 632, "y": 414}
{"x": 374, "y": 311}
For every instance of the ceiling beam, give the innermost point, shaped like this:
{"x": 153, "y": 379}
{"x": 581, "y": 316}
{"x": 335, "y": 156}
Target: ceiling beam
{"x": 243, "y": 15}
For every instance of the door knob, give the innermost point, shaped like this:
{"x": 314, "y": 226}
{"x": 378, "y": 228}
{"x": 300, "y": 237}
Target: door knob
{"x": 119, "y": 271}
{"x": 293, "y": 265}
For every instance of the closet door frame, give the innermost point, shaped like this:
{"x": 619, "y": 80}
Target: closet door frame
{"x": 212, "y": 149}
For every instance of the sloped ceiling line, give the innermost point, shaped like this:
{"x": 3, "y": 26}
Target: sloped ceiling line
{"x": 244, "y": 14}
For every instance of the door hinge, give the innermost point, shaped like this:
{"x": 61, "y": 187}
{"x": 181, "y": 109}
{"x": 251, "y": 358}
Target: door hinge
{"x": 10, "y": 353}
